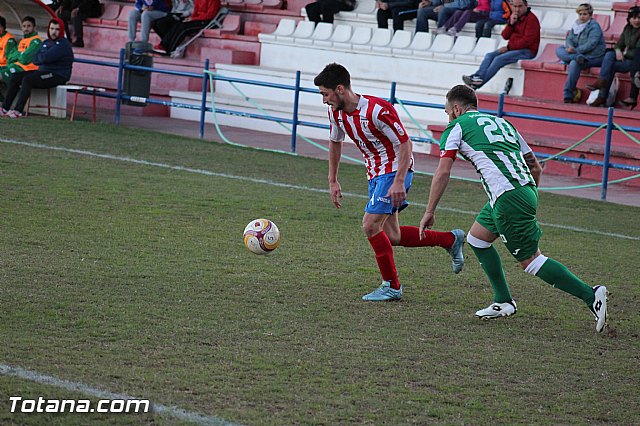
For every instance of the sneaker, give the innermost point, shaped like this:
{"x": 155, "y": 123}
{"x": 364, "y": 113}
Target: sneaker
{"x": 452, "y": 32}
{"x": 472, "y": 81}
{"x": 3, "y": 112}
{"x": 383, "y": 293}
{"x": 457, "y": 257}
{"x": 636, "y": 79}
{"x": 13, "y": 114}
{"x": 599, "y": 307}
{"x": 497, "y": 310}
{"x": 440, "y": 30}
{"x": 159, "y": 48}
{"x": 577, "y": 96}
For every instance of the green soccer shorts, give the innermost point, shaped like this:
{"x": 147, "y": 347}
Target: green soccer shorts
{"x": 513, "y": 218}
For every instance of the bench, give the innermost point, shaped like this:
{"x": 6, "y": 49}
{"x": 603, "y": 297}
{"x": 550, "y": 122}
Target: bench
{"x": 53, "y": 102}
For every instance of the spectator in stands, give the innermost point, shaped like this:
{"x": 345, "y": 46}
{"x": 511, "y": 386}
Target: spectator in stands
{"x": 8, "y": 46}
{"x": 390, "y": 9}
{"x": 583, "y": 48}
{"x": 620, "y": 59}
{"x": 73, "y": 13}
{"x": 523, "y": 34}
{"x": 203, "y": 12}
{"x": 460, "y": 17}
{"x": 446, "y": 10}
{"x": 324, "y": 10}
{"x": 632, "y": 100}
{"x": 181, "y": 10}
{"x": 439, "y": 11}
{"x": 499, "y": 13}
{"x": 22, "y": 58}
{"x": 54, "y": 60}
{"x": 146, "y": 11}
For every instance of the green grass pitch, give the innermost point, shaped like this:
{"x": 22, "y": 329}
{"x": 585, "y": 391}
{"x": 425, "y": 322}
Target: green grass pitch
{"x": 131, "y": 277}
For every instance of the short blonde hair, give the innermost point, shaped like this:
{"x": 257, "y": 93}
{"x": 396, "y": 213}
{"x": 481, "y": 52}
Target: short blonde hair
{"x": 586, "y": 7}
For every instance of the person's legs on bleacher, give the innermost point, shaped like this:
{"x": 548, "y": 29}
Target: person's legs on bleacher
{"x": 134, "y": 18}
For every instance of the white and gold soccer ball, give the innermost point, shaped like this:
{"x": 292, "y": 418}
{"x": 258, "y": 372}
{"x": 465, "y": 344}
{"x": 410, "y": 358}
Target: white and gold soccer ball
{"x": 261, "y": 236}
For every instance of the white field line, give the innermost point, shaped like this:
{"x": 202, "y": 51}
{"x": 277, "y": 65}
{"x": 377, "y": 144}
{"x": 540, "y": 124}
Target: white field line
{"x": 176, "y": 412}
{"x": 279, "y": 184}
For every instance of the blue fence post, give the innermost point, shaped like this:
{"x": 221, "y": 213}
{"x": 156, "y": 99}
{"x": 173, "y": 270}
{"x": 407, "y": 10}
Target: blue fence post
{"x": 296, "y": 98}
{"x": 607, "y": 155}
{"x": 501, "y": 105}
{"x": 119, "y": 87}
{"x": 203, "y": 104}
{"x": 392, "y": 97}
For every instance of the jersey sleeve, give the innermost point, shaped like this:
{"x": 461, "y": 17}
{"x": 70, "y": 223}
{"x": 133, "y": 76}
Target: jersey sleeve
{"x": 389, "y": 123}
{"x": 450, "y": 140}
{"x": 524, "y": 147}
{"x": 336, "y": 133}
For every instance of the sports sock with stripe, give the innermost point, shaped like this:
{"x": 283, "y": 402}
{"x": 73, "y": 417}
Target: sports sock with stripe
{"x": 556, "y": 274}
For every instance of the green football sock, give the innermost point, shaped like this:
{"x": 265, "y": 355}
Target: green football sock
{"x": 492, "y": 266}
{"x": 556, "y": 274}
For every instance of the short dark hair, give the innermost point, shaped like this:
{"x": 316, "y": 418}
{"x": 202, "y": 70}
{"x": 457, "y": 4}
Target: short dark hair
{"x": 463, "y": 95}
{"x": 332, "y": 76}
{"x": 30, "y": 19}
{"x": 633, "y": 12}
{"x": 3, "y": 22}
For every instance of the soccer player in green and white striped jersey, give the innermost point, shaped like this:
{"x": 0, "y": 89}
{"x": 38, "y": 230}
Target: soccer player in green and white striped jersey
{"x": 510, "y": 174}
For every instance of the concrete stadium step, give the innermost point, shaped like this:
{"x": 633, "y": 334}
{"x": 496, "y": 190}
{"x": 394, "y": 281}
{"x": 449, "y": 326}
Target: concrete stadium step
{"x": 557, "y": 109}
{"x": 545, "y": 77}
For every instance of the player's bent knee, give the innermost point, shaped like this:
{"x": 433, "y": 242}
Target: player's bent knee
{"x": 477, "y": 242}
{"x": 371, "y": 229}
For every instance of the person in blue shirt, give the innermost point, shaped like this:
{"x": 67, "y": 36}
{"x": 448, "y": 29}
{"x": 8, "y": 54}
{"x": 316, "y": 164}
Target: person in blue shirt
{"x": 54, "y": 61}
{"x": 499, "y": 13}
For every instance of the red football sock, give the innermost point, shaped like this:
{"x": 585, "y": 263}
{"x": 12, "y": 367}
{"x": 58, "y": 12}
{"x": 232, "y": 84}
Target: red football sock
{"x": 410, "y": 237}
{"x": 384, "y": 256}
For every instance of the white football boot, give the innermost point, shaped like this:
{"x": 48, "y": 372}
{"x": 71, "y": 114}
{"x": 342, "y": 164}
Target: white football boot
{"x": 498, "y": 310}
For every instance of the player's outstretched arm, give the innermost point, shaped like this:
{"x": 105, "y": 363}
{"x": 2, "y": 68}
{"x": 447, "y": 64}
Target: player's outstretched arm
{"x": 438, "y": 185}
{"x": 335, "y": 153}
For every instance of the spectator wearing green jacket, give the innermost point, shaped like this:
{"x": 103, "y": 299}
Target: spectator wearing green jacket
{"x": 21, "y": 59}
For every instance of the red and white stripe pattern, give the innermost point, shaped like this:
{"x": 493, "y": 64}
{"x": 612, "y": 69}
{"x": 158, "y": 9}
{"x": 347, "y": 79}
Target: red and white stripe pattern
{"x": 375, "y": 128}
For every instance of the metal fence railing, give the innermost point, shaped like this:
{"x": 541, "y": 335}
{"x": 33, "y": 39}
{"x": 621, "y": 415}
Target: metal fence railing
{"x": 208, "y": 76}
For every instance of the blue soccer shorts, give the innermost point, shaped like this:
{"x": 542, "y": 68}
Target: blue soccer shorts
{"x": 379, "y": 186}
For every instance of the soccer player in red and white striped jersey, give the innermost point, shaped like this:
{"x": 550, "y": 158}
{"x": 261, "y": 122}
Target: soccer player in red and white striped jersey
{"x": 373, "y": 124}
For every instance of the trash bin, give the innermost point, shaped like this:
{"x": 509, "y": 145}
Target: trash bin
{"x": 137, "y": 83}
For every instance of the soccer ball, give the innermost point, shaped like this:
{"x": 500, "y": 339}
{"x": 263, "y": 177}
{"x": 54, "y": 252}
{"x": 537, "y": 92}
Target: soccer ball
{"x": 261, "y": 236}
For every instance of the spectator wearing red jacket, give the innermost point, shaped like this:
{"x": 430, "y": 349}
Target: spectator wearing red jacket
{"x": 203, "y": 12}
{"x": 523, "y": 35}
